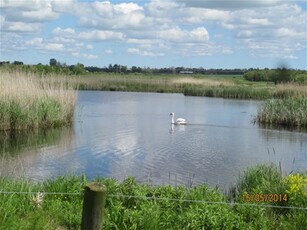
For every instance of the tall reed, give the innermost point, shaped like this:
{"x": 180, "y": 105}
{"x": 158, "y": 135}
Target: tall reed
{"x": 288, "y": 112}
{"x": 30, "y": 102}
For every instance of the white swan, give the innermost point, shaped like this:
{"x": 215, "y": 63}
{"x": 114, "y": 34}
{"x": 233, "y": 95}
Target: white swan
{"x": 179, "y": 121}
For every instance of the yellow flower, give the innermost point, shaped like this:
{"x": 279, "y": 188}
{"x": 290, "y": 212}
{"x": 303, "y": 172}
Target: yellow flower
{"x": 296, "y": 184}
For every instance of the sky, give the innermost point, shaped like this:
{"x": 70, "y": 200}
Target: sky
{"x": 156, "y": 33}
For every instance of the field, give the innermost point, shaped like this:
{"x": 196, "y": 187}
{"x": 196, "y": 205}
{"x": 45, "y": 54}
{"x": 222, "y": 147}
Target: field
{"x": 131, "y": 205}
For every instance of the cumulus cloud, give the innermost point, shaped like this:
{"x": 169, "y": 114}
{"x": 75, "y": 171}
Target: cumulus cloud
{"x": 68, "y": 32}
{"x": 102, "y": 15}
{"x": 109, "y": 52}
{"x": 97, "y": 35}
{"x": 32, "y": 11}
{"x": 230, "y": 4}
{"x": 144, "y": 52}
{"x": 20, "y": 27}
{"x": 65, "y": 6}
{"x": 84, "y": 55}
{"x": 267, "y": 33}
{"x": 157, "y": 27}
{"x": 176, "y": 34}
{"x": 41, "y": 44}
{"x": 25, "y": 16}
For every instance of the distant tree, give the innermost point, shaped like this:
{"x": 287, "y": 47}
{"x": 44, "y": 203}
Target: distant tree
{"x": 78, "y": 68}
{"x": 110, "y": 68}
{"x": 116, "y": 68}
{"x": 282, "y": 75}
{"x": 124, "y": 69}
{"x": 53, "y": 62}
{"x": 17, "y": 63}
{"x": 4, "y": 63}
{"x": 133, "y": 69}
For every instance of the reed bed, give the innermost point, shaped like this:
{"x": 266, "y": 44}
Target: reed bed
{"x": 287, "y": 90}
{"x": 236, "y": 92}
{"x": 31, "y": 102}
{"x": 290, "y": 112}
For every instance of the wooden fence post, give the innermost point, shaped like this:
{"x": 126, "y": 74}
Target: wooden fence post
{"x": 93, "y": 206}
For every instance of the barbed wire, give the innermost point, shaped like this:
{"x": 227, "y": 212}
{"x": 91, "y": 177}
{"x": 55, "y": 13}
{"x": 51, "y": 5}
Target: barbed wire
{"x": 162, "y": 199}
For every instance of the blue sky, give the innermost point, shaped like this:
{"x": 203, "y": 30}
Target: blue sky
{"x": 156, "y": 33}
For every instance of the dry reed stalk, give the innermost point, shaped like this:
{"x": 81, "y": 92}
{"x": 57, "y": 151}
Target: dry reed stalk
{"x": 204, "y": 82}
{"x": 292, "y": 89}
{"x": 22, "y": 93}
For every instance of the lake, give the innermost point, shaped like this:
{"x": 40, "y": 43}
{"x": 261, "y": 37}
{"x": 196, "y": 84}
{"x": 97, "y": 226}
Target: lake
{"x": 121, "y": 134}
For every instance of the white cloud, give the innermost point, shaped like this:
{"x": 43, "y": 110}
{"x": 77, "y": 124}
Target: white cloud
{"x": 63, "y": 6}
{"x": 89, "y": 47}
{"x": 25, "y": 16}
{"x": 144, "y": 52}
{"x": 270, "y": 32}
{"x": 97, "y": 35}
{"x": 90, "y": 56}
{"x": 20, "y": 27}
{"x": 41, "y": 44}
{"x": 176, "y": 34}
{"x": 25, "y": 4}
{"x": 200, "y": 15}
{"x": 54, "y": 47}
{"x": 108, "y": 52}
{"x": 28, "y": 11}
{"x": 68, "y": 32}
{"x": 37, "y": 41}
{"x": 102, "y": 15}
{"x": 258, "y": 27}
{"x": 230, "y": 4}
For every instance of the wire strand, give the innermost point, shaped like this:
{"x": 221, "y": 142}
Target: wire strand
{"x": 162, "y": 199}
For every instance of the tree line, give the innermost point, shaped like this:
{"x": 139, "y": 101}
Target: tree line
{"x": 277, "y": 75}
{"x": 56, "y": 66}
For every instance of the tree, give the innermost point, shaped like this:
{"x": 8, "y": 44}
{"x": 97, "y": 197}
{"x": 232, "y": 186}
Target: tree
{"x": 53, "y": 62}
{"x": 17, "y": 63}
{"x": 78, "y": 69}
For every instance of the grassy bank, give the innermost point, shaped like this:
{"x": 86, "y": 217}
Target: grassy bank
{"x": 126, "y": 207}
{"x": 30, "y": 102}
{"x": 233, "y": 86}
{"x": 194, "y": 85}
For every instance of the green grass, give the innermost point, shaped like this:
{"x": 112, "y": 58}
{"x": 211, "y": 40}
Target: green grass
{"x": 63, "y": 211}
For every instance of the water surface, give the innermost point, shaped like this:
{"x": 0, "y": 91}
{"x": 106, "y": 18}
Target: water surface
{"x": 120, "y": 134}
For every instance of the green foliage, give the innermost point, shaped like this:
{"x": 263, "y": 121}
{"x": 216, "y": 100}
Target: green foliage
{"x": 280, "y": 75}
{"x": 131, "y": 205}
{"x": 299, "y": 77}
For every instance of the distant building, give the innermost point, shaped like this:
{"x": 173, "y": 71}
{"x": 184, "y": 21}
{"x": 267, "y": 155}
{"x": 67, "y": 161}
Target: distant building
{"x": 185, "y": 72}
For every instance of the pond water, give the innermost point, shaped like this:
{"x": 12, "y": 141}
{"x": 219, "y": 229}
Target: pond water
{"x": 121, "y": 134}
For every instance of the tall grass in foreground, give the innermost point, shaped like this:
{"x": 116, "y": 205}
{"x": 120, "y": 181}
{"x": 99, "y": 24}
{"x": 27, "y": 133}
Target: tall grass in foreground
{"x": 290, "y": 112}
{"x": 126, "y": 207}
{"x": 30, "y": 102}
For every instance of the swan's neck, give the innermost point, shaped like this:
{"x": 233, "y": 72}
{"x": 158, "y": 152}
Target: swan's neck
{"x": 173, "y": 121}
